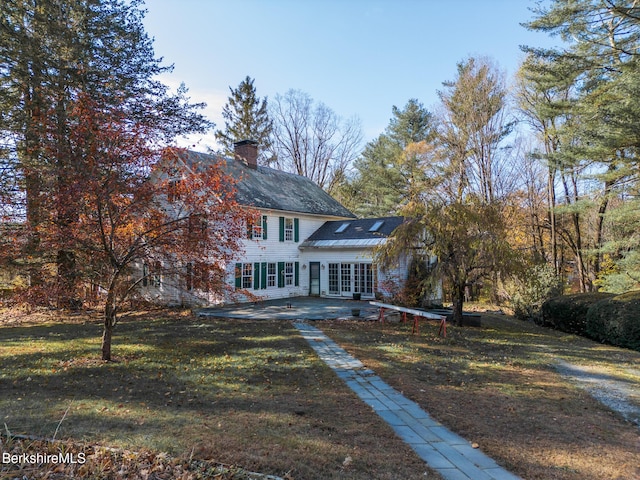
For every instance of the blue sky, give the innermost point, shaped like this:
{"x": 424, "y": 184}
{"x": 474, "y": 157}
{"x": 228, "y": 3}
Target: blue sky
{"x": 359, "y": 57}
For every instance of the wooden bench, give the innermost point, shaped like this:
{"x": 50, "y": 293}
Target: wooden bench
{"x": 416, "y": 315}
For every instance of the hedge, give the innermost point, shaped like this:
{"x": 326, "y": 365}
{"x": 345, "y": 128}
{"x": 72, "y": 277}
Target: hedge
{"x": 568, "y": 313}
{"x": 616, "y": 320}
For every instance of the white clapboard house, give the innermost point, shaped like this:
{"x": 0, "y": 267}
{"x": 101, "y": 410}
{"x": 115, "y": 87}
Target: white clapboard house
{"x": 305, "y": 244}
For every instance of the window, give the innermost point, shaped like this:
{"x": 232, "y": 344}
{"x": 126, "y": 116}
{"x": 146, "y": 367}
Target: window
{"x": 196, "y": 231}
{"x": 145, "y": 275}
{"x": 342, "y": 228}
{"x": 156, "y": 274}
{"x": 197, "y": 276}
{"x": 247, "y": 275}
{"x": 376, "y": 226}
{"x": 271, "y": 275}
{"x": 257, "y": 229}
{"x": 288, "y": 274}
{"x": 345, "y": 270}
{"x": 189, "y": 276}
{"x": 347, "y": 278}
{"x": 334, "y": 278}
{"x": 174, "y": 185}
{"x": 288, "y": 229}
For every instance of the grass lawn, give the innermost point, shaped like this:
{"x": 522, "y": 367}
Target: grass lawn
{"x": 497, "y": 386}
{"x": 243, "y": 393}
{"x": 253, "y": 394}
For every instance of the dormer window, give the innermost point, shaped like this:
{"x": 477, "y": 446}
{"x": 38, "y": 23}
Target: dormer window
{"x": 342, "y": 228}
{"x": 376, "y": 226}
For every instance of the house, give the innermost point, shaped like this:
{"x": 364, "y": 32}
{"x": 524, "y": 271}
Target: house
{"x": 305, "y": 242}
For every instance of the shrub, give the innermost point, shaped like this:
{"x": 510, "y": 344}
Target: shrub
{"x": 616, "y": 320}
{"x": 568, "y": 313}
{"x": 528, "y": 292}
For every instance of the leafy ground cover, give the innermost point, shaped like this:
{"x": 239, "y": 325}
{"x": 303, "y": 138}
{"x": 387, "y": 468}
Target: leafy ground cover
{"x": 498, "y": 386}
{"x": 244, "y": 393}
{"x": 253, "y": 394}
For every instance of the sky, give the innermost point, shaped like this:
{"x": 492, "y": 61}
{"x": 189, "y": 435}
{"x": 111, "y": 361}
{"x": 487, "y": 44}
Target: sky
{"x": 359, "y": 57}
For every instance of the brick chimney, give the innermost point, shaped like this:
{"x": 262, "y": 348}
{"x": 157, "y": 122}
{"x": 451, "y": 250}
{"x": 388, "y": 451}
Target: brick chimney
{"x": 247, "y": 151}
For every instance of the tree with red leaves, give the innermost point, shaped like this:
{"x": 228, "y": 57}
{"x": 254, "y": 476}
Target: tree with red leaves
{"x": 120, "y": 207}
{"x": 53, "y": 53}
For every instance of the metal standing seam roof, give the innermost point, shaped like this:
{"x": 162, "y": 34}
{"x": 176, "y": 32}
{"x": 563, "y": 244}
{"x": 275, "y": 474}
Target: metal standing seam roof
{"x": 357, "y": 234}
{"x": 272, "y": 189}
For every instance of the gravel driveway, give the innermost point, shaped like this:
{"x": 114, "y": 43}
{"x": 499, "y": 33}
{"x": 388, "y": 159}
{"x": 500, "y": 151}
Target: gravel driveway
{"x": 620, "y": 393}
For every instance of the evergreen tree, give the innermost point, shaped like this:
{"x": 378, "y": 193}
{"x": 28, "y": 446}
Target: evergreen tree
{"x": 600, "y": 142}
{"x": 53, "y": 52}
{"x": 246, "y": 118}
{"x": 383, "y": 171}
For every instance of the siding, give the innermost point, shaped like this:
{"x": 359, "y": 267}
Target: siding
{"x": 272, "y": 250}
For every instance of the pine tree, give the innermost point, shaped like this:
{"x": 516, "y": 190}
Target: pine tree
{"x": 53, "y": 52}
{"x": 246, "y": 118}
{"x": 600, "y": 141}
{"x": 383, "y": 171}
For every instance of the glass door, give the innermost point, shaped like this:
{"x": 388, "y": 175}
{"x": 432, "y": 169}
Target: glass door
{"x": 314, "y": 279}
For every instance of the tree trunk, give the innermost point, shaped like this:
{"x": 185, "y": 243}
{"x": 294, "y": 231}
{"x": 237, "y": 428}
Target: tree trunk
{"x": 109, "y": 318}
{"x": 110, "y": 311}
{"x": 67, "y": 281}
{"x": 551, "y": 199}
{"x": 458, "y": 300}
{"x": 602, "y": 210}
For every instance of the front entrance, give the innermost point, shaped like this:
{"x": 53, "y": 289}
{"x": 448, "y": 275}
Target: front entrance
{"x": 314, "y": 279}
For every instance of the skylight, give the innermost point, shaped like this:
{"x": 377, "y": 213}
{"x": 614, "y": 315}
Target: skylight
{"x": 342, "y": 228}
{"x": 376, "y": 226}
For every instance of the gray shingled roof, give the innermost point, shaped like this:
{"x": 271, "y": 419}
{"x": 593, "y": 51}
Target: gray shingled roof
{"x": 273, "y": 189}
{"x": 357, "y": 233}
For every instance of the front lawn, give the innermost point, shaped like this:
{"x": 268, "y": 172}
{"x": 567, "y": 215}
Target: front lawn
{"x": 242, "y": 393}
{"x": 254, "y": 394}
{"x": 498, "y": 386}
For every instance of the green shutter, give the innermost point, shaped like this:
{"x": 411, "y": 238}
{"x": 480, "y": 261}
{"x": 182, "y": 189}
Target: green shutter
{"x": 256, "y": 276}
{"x": 296, "y": 230}
{"x": 280, "y": 274}
{"x": 296, "y": 272}
{"x": 264, "y": 227}
{"x": 238, "y": 275}
{"x": 249, "y": 230}
{"x": 263, "y": 271}
{"x": 281, "y": 229}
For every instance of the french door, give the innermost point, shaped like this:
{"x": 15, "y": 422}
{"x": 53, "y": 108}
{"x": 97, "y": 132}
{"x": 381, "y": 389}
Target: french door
{"x": 348, "y": 278}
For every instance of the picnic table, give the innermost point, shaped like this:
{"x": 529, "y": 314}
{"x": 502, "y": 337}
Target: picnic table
{"x": 417, "y": 314}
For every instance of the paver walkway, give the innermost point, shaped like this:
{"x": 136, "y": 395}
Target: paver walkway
{"x": 449, "y": 454}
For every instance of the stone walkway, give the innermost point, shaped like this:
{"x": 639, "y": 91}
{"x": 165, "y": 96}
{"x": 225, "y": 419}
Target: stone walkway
{"x": 449, "y": 454}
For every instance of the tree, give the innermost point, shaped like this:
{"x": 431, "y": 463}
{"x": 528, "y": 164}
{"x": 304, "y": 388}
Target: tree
{"x": 542, "y": 98}
{"x": 246, "y": 118}
{"x": 473, "y": 126}
{"x": 469, "y": 240}
{"x": 309, "y": 139}
{"x": 599, "y": 58}
{"x": 455, "y": 209}
{"x": 122, "y": 217}
{"x": 53, "y": 52}
{"x": 384, "y": 171}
